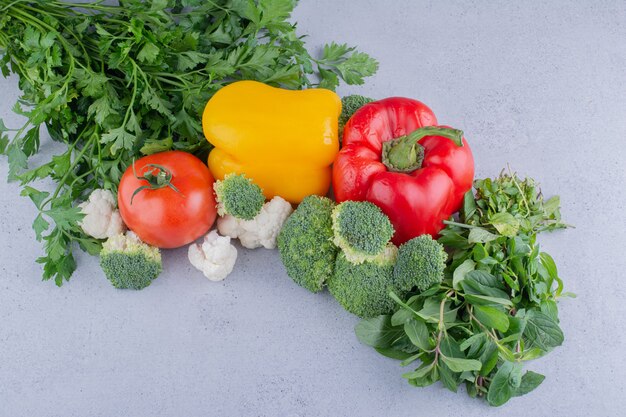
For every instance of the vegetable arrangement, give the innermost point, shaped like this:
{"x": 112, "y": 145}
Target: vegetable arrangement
{"x": 497, "y": 305}
{"x": 443, "y": 270}
{"x": 117, "y": 82}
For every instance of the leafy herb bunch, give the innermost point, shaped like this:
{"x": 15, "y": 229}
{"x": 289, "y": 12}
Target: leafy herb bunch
{"x": 116, "y": 82}
{"x": 496, "y": 307}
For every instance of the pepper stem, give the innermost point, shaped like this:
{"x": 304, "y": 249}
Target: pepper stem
{"x": 157, "y": 177}
{"x": 404, "y": 154}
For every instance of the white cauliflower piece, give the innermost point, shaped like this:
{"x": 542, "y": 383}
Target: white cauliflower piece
{"x": 215, "y": 257}
{"x": 260, "y": 231}
{"x": 102, "y": 220}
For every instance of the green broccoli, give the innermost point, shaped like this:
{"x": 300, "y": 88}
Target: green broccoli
{"x": 305, "y": 243}
{"x": 349, "y": 105}
{"x": 421, "y": 262}
{"x": 238, "y": 196}
{"x": 363, "y": 289}
{"x": 128, "y": 262}
{"x": 361, "y": 230}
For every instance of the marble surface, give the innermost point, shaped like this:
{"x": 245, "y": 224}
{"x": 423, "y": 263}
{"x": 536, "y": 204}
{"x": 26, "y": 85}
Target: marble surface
{"x": 537, "y": 85}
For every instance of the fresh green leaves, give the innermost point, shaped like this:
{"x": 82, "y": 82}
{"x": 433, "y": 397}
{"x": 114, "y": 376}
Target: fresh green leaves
{"x": 504, "y": 383}
{"x": 542, "y": 331}
{"x": 377, "y": 332}
{"x": 116, "y": 82}
{"x": 342, "y": 61}
{"x": 509, "y": 382}
{"x": 497, "y": 306}
{"x": 492, "y": 317}
{"x": 510, "y": 204}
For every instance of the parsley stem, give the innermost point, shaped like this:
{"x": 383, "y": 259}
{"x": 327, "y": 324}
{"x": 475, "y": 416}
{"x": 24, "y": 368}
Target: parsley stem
{"x": 73, "y": 165}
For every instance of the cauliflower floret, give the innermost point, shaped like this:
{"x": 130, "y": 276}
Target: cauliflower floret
{"x": 260, "y": 231}
{"x": 102, "y": 220}
{"x": 215, "y": 257}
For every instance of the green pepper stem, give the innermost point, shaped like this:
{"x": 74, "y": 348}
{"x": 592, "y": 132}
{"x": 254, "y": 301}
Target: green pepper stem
{"x": 404, "y": 154}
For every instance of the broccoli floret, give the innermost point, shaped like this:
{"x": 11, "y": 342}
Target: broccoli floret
{"x": 363, "y": 289}
{"x": 421, "y": 262}
{"x": 361, "y": 230}
{"x": 238, "y": 196}
{"x": 305, "y": 243}
{"x": 349, "y": 105}
{"x": 128, "y": 262}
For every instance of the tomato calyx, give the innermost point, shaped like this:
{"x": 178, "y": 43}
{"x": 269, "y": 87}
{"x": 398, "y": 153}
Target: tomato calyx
{"x": 157, "y": 177}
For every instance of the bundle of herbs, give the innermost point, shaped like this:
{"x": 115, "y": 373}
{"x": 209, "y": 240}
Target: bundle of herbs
{"x": 496, "y": 307}
{"x": 116, "y": 82}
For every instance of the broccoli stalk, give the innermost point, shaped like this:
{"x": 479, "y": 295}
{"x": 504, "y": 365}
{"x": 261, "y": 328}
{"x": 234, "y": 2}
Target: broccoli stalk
{"x": 128, "y": 262}
{"x": 349, "y": 106}
{"x": 363, "y": 289}
{"x": 361, "y": 230}
{"x": 305, "y": 243}
{"x": 420, "y": 264}
{"x": 238, "y": 196}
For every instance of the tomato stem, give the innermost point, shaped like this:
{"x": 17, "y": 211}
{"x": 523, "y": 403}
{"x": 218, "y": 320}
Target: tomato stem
{"x": 157, "y": 177}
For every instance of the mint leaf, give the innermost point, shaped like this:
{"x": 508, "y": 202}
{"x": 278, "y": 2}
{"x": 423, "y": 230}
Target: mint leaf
{"x": 483, "y": 283}
{"x": 492, "y": 317}
{"x": 530, "y": 381}
{"x": 504, "y": 384}
{"x": 417, "y": 331}
{"x": 377, "y": 332}
{"x": 542, "y": 331}
{"x": 459, "y": 273}
{"x": 462, "y": 365}
{"x": 447, "y": 377}
{"x": 505, "y": 223}
{"x": 480, "y": 235}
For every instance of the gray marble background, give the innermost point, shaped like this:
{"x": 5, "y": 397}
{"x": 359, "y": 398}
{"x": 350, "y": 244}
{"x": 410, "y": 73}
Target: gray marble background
{"x": 538, "y": 85}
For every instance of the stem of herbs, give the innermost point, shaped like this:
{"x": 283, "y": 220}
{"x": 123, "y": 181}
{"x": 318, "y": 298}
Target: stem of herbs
{"x": 78, "y": 158}
{"x": 441, "y": 326}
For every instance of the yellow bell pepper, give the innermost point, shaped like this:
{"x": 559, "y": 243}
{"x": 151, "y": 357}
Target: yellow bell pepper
{"x": 284, "y": 140}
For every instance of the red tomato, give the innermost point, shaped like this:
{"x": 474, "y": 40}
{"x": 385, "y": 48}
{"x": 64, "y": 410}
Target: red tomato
{"x": 176, "y": 213}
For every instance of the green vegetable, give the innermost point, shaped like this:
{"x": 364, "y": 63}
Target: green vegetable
{"x": 363, "y": 289}
{"x": 349, "y": 105}
{"x": 421, "y": 262}
{"x": 129, "y": 263}
{"x": 238, "y": 196}
{"x": 305, "y": 243}
{"x": 361, "y": 230}
{"x": 496, "y": 307}
{"x": 115, "y": 82}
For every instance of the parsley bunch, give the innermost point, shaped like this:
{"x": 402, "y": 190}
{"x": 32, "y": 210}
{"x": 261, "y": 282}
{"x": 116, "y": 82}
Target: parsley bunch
{"x": 497, "y": 305}
{"x": 117, "y": 82}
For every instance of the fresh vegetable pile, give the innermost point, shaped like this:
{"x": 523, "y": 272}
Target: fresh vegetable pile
{"x": 496, "y": 306}
{"x": 443, "y": 270}
{"x": 113, "y": 83}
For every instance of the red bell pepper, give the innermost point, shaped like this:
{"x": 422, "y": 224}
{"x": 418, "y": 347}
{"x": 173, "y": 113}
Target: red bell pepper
{"x": 396, "y": 157}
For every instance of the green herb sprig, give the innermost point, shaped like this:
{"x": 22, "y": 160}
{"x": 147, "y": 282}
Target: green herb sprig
{"x": 117, "y": 82}
{"x": 496, "y": 307}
